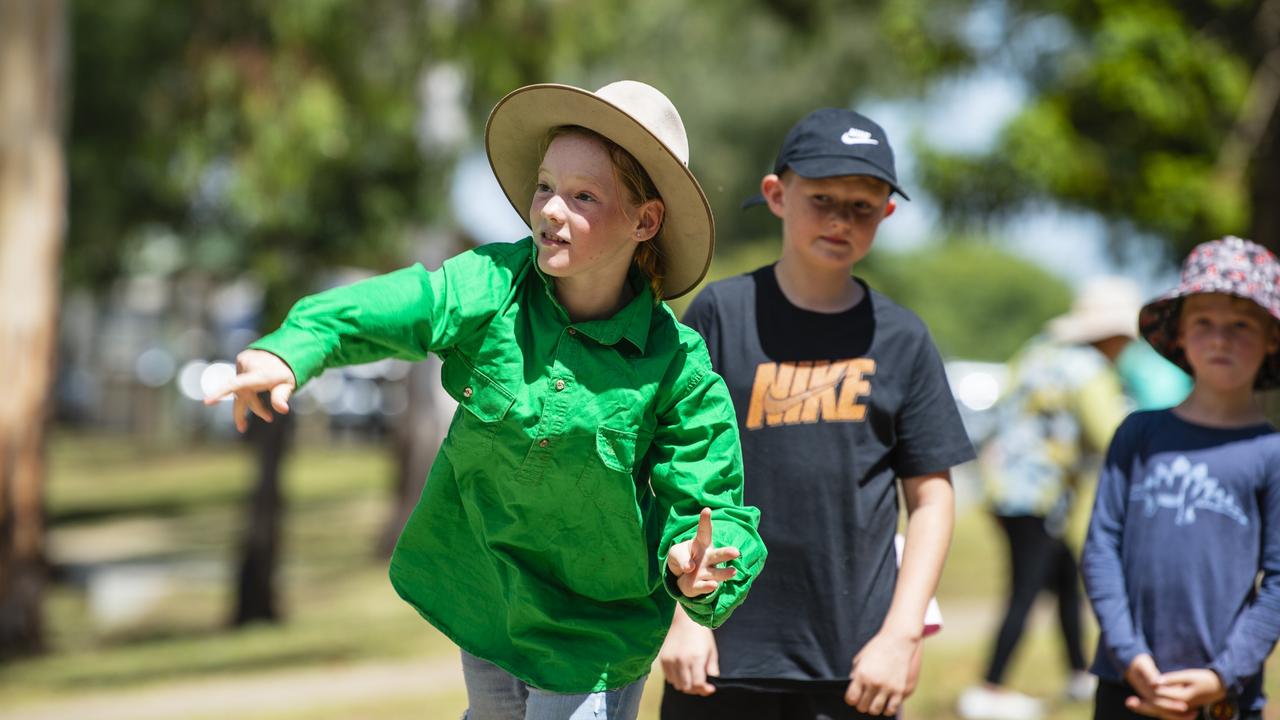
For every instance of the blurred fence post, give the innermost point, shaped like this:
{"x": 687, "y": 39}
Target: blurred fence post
{"x": 32, "y": 210}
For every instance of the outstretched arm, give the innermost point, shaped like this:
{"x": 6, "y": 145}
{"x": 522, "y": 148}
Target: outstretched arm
{"x": 881, "y": 676}
{"x": 403, "y": 314}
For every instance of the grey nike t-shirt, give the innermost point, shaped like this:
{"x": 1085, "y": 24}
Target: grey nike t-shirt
{"x": 832, "y": 408}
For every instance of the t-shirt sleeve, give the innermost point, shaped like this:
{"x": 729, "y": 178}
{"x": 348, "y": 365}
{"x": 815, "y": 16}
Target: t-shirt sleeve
{"x": 1100, "y": 564}
{"x": 1255, "y": 631}
{"x": 930, "y": 435}
{"x": 696, "y": 462}
{"x": 703, "y": 317}
{"x": 404, "y": 314}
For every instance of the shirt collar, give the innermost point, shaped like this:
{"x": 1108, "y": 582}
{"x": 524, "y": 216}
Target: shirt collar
{"x": 631, "y": 323}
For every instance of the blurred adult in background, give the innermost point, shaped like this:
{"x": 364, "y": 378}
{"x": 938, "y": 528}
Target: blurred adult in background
{"x": 1066, "y": 396}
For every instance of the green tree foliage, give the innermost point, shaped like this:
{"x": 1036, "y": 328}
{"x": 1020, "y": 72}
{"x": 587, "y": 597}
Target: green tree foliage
{"x": 980, "y": 302}
{"x": 279, "y": 138}
{"x": 743, "y": 73}
{"x": 1159, "y": 115}
{"x": 273, "y": 137}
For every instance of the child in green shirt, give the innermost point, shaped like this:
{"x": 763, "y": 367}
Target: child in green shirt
{"x": 593, "y": 447}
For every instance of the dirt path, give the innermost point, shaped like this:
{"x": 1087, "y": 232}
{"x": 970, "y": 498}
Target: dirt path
{"x": 257, "y": 694}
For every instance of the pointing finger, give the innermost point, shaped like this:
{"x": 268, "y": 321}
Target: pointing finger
{"x": 702, "y": 540}
{"x": 280, "y": 397}
{"x": 238, "y": 411}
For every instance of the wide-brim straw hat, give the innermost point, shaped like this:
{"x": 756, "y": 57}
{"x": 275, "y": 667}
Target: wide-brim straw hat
{"x": 642, "y": 121}
{"x": 1231, "y": 266}
{"x": 1105, "y": 307}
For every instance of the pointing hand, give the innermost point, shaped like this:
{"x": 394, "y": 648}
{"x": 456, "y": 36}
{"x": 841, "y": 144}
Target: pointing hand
{"x": 695, "y": 563}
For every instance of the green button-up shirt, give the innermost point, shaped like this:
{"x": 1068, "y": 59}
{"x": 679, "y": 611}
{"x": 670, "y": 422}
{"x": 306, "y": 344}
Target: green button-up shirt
{"x": 580, "y": 452}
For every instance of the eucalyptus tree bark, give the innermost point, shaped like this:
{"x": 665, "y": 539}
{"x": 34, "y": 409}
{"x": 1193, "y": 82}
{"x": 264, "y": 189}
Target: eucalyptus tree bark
{"x": 32, "y": 210}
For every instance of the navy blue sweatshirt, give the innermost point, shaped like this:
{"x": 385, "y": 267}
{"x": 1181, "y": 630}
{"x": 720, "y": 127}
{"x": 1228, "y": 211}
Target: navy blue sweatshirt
{"x": 1185, "y": 519}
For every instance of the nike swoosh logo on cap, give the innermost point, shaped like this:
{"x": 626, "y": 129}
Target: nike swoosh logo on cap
{"x": 854, "y": 136}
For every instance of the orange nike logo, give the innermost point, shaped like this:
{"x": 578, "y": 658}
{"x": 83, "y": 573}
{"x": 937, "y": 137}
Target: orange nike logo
{"x": 774, "y": 405}
{"x": 806, "y": 392}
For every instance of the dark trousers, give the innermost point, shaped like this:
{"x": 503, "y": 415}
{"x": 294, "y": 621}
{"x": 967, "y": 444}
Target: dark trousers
{"x": 1037, "y": 561}
{"x": 1109, "y": 705}
{"x": 733, "y": 703}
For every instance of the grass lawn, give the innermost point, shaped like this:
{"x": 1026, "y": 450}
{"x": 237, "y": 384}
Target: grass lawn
{"x": 116, "y": 507}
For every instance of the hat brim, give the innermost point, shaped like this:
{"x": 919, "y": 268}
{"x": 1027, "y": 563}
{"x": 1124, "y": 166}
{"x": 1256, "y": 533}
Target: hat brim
{"x": 1091, "y": 328}
{"x": 1158, "y": 324}
{"x": 520, "y": 122}
{"x": 838, "y": 166}
{"x": 816, "y": 169}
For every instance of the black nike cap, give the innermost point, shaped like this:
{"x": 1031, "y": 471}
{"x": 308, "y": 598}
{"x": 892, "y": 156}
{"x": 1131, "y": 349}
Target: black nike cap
{"x": 831, "y": 142}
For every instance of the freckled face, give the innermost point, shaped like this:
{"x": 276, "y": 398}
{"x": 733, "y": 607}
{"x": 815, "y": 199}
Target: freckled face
{"x": 829, "y": 221}
{"x": 582, "y": 220}
{"x": 1225, "y": 339}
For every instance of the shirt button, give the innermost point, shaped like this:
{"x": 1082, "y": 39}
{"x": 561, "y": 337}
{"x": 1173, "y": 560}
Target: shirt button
{"x": 466, "y": 392}
{"x": 543, "y": 442}
{"x": 559, "y": 385}
{"x": 573, "y": 331}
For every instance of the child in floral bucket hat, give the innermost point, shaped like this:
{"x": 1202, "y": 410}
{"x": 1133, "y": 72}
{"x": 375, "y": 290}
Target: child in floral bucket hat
{"x": 1230, "y": 266}
{"x": 1188, "y": 505}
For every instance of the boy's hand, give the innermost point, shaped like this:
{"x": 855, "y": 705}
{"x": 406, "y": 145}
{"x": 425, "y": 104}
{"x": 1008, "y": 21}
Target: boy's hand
{"x": 1143, "y": 675}
{"x": 1147, "y": 680}
{"x": 694, "y": 562}
{"x": 257, "y": 371}
{"x": 1196, "y": 687}
{"x": 881, "y": 677}
{"x": 689, "y": 655}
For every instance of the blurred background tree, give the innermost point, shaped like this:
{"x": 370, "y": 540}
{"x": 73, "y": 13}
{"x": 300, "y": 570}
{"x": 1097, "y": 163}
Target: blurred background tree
{"x": 32, "y": 214}
{"x": 1161, "y": 116}
{"x": 980, "y": 301}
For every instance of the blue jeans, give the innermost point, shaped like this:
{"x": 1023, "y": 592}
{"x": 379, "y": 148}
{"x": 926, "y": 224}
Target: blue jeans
{"x": 495, "y": 694}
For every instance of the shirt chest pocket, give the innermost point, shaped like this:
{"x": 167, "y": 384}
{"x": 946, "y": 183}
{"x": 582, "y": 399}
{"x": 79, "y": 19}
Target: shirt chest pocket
{"x": 616, "y": 449}
{"x": 611, "y": 522}
{"x": 483, "y": 402}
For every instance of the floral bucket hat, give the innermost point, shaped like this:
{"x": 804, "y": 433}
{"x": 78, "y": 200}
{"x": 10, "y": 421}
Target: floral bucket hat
{"x": 1230, "y": 266}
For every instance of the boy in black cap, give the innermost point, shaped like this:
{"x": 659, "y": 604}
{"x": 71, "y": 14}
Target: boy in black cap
{"x": 838, "y": 391}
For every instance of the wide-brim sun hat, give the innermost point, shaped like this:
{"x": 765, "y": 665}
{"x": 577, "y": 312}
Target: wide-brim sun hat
{"x": 1105, "y": 307}
{"x": 642, "y": 121}
{"x": 1230, "y": 266}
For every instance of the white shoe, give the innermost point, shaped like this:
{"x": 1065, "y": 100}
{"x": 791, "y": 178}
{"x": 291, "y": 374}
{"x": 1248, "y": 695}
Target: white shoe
{"x": 1081, "y": 687}
{"x": 982, "y": 703}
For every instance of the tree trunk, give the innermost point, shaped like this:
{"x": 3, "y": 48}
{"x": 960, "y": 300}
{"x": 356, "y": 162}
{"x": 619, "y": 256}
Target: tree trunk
{"x": 32, "y": 210}
{"x": 1265, "y": 194}
{"x": 256, "y": 597}
{"x": 1265, "y": 185}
